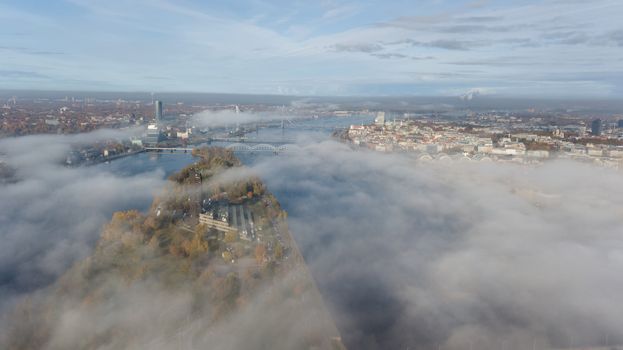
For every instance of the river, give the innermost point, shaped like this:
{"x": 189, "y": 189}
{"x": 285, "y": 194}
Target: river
{"x": 308, "y": 130}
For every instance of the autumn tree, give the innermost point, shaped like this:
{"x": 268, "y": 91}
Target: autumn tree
{"x": 197, "y": 245}
{"x": 260, "y": 253}
{"x": 231, "y": 236}
{"x": 278, "y": 251}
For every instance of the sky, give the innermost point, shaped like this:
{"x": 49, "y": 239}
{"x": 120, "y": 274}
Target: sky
{"x": 547, "y": 48}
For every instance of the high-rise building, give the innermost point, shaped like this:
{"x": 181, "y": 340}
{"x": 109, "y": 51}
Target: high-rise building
{"x": 380, "y": 119}
{"x": 153, "y": 135}
{"x": 620, "y": 123}
{"x": 158, "y": 111}
{"x": 596, "y": 127}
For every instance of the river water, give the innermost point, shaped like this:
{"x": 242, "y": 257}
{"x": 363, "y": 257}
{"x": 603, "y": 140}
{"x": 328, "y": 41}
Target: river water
{"x": 304, "y": 131}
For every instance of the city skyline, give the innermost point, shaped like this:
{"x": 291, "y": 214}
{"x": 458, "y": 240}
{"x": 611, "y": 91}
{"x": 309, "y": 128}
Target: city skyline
{"x": 447, "y": 48}
{"x": 331, "y": 174}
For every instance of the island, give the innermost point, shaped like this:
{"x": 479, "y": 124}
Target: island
{"x": 211, "y": 264}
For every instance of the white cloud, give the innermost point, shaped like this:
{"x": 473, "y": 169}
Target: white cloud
{"x": 52, "y": 215}
{"x": 446, "y": 254}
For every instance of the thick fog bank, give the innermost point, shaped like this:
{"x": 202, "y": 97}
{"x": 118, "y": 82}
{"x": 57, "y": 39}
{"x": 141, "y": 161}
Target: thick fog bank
{"x": 51, "y": 215}
{"x": 448, "y": 255}
{"x": 428, "y": 255}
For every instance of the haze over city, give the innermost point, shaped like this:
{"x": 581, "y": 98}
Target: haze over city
{"x": 431, "y": 175}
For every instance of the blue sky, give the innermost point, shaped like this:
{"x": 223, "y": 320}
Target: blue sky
{"x": 548, "y": 48}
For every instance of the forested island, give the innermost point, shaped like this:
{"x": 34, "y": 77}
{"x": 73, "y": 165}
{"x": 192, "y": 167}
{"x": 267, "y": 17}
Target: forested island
{"x": 210, "y": 265}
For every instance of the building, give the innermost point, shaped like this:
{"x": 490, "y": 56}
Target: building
{"x": 380, "y": 119}
{"x": 52, "y": 122}
{"x": 620, "y": 123}
{"x": 158, "y": 111}
{"x": 153, "y": 135}
{"x": 526, "y": 136}
{"x": 594, "y": 151}
{"x": 485, "y": 148}
{"x": 542, "y": 154}
{"x": 220, "y": 225}
{"x": 596, "y": 127}
{"x": 136, "y": 142}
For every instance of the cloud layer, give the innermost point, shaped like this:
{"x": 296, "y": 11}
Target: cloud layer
{"x": 407, "y": 255}
{"x": 413, "y": 255}
{"x": 52, "y": 215}
{"x": 227, "y": 118}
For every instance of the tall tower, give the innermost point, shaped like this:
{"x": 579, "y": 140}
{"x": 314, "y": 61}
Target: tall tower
{"x": 596, "y": 127}
{"x": 157, "y": 111}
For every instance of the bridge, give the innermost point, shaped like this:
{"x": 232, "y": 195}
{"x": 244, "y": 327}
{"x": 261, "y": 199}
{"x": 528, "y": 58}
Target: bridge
{"x": 279, "y": 141}
{"x": 262, "y": 148}
{"x": 169, "y": 149}
{"x": 236, "y": 147}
